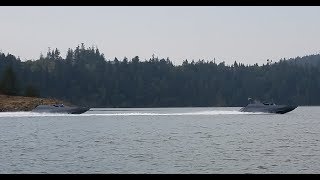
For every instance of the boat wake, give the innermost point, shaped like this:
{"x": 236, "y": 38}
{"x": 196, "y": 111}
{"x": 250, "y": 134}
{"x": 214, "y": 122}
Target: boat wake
{"x": 93, "y": 113}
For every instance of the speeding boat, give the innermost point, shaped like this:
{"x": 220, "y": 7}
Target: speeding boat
{"x": 266, "y": 107}
{"x": 60, "y": 108}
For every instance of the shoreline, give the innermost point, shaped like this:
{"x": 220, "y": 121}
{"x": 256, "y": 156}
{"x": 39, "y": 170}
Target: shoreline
{"x": 22, "y": 103}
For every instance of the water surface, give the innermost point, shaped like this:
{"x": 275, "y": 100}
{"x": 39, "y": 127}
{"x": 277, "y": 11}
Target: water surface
{"x": 161, "y": 140}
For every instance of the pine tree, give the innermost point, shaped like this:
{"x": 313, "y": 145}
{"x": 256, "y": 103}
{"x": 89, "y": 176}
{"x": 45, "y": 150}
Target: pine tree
{"x": 8, "y": 84}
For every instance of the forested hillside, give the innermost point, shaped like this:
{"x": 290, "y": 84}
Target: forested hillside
{"x": 85, "y": 77}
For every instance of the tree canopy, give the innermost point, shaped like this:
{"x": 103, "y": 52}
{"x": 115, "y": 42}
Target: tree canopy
{"x": 86, "y": 77}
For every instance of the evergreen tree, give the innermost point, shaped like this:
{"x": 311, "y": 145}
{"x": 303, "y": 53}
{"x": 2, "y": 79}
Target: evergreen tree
{"x": 31, "y": 91}
{"x": 85, "y": 77}
{"x": 8, "y": 84}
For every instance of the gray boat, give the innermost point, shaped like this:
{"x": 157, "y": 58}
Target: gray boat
{"x": 257, "y": 106}
{"x": 60, "y": 108}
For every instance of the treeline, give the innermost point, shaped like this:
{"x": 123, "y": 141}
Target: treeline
{"x": 86, "y": 77}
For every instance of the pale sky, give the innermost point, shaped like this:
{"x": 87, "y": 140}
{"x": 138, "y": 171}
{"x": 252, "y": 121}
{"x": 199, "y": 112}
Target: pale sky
{"x": 248, "y": 35}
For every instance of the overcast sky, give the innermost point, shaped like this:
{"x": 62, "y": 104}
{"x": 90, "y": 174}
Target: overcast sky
{"x": 249, "y": 35}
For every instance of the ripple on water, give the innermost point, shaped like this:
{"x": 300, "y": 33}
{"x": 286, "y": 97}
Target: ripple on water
{"x": 177, "y": 140}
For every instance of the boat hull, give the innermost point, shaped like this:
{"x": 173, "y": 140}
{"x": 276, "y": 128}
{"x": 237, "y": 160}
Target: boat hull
{"x": 277, "y": 109}
{"x": 59, "y": 109}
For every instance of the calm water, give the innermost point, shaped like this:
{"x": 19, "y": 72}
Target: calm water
{"x": 161, "y": 140}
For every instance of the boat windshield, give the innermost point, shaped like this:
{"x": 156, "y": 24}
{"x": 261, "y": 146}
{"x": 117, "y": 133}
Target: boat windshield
{"x": 58, "y": 105}
{"x": 255, "y": 101}
{"x": 268, "y": 104}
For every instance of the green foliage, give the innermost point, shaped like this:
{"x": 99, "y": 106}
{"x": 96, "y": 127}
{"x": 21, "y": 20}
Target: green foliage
{"x": 85, "y": 77}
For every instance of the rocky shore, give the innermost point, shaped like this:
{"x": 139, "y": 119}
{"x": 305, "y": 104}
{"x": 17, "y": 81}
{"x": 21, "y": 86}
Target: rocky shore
{"x": 21, "y": 103}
